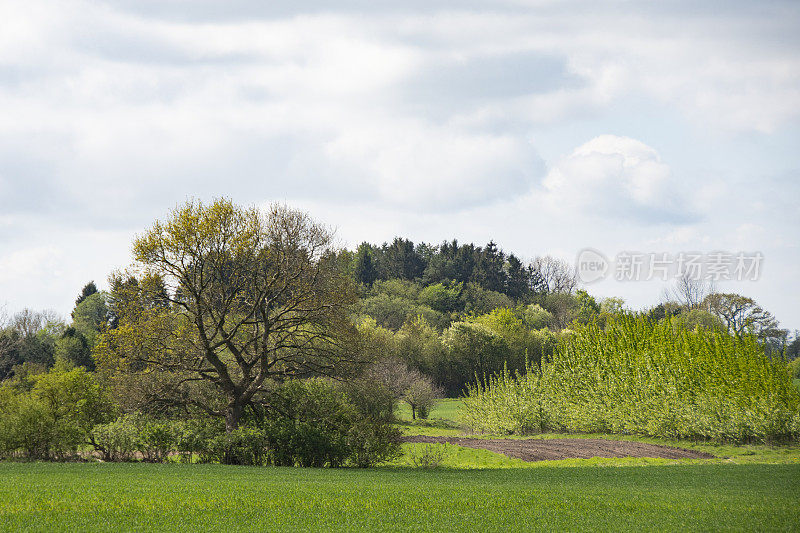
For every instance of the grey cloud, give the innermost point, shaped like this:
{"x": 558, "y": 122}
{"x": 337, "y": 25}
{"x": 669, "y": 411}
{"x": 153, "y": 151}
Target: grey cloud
{"x": 27, "y": 180}
{"x": 448, "y": 85}
{"x": 240, "y": 10}
{"x": 126, "y": 45}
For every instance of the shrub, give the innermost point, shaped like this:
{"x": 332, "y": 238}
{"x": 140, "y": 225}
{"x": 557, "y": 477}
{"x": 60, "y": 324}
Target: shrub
{"x": 157, "y": 439}
{"x": 117, "y": 440}
{"x": 371, "y": 442}
{"x": 315, "y": 423}
{"x": 242, "y": 446}
{"x": 53, "y": 418}
{"x": 427, "y": 455}
{"x": 194, "y": 436}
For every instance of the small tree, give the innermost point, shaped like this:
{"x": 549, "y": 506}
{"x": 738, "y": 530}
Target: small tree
{"x": 406, "y": 384}
{"x": 420, "y": 396}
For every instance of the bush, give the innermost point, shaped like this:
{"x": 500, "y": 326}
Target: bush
{"x": 194, "y": 436}
{"x": 121, "y": 439}
{"x": 117, "y": 440}
{"x": 315, "y": 423}
{"x": 242, "y": 446}
{"x": 427, "y": 455}
{"x": 372, "y": 442}
{"x": 52, "y": 420}
{"x": 157, "y": 439}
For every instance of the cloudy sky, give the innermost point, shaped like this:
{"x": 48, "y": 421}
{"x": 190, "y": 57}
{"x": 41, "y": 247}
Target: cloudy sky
{"x": 546, "y": 126}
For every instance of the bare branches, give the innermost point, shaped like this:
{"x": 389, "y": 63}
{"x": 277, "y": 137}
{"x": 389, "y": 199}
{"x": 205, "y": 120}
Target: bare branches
{"x": 554, "y": 275}
{"x": 689, "y": 291}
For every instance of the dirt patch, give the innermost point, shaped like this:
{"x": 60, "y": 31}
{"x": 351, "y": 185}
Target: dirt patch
{"x": 552, "y": 449}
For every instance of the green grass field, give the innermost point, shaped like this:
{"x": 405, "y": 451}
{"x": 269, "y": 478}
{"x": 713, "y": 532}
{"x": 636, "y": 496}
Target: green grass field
{"x": 145, "y": 497}
{"x": 445, "y": 410}
{"x": 745, "y": 488}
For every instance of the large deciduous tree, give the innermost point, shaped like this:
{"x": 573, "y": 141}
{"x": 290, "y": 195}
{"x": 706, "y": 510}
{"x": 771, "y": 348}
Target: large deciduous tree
{"x": 253, "y": 297}
{"x": 742, "y": 314}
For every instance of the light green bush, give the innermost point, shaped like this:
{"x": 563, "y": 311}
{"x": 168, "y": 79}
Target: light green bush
{"x": 50, "y": 417}
{"x": 117, "y": 440}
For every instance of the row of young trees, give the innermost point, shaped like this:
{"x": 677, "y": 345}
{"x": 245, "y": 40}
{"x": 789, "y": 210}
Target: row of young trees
{"x": 637, "y": 376}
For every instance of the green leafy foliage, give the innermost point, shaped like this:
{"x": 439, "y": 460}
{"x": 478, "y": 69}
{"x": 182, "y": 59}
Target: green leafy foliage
{"x": 319, "y": 424}
{"x": 640, "y": 377}
{"x": 53, "y": 418}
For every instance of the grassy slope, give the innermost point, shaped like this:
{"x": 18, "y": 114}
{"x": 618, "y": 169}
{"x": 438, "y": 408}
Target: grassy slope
{"x": 142, "y": 497}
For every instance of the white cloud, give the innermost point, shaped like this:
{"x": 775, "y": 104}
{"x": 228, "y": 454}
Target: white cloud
{"x": 423, "y": 167}
{"x": 383, "y": 118}
{"x": 615, "y": 176}
{"x": 39, "y": 261}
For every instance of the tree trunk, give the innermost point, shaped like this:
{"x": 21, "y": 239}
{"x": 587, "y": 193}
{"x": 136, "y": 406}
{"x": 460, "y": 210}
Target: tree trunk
{"x": 232, "y": 415}
{"x": 413, "y": 413}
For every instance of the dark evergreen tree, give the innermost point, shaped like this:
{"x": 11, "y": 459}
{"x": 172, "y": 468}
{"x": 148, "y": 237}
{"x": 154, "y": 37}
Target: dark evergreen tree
{"x": 517, "y": 278}
{"x": 488, "y": 272}
{"x": 464, "y": 262}
{"x": 402, "y": 260}
{"x": 88, "y": 289}
{"x": 364, "y": 269}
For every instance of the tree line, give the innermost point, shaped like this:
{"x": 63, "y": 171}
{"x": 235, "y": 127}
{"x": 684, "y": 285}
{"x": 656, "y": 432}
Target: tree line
{"x": 232, "y": 317}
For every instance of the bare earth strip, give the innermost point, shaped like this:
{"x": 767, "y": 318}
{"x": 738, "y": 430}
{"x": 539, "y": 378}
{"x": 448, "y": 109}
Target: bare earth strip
{"x": 552, "y": 449}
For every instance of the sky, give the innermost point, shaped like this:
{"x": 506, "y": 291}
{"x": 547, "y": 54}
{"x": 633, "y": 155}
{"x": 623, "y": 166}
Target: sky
{"x": 549, "y": 127}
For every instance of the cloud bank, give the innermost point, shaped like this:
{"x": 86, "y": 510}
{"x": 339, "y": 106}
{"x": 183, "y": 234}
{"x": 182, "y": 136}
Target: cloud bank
{"x": 639, "y": 119}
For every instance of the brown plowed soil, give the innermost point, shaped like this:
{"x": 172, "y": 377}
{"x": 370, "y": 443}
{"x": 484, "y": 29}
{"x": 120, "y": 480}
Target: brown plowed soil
{"x": 551, "y": 449}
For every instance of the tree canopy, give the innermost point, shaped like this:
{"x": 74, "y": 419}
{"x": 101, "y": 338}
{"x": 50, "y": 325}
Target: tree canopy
{"x": 252, "y": 298}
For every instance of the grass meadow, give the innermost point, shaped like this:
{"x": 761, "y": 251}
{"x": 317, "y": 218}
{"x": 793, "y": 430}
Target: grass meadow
{"x": 744, "y": 488}
{"x": 176, "y": 497}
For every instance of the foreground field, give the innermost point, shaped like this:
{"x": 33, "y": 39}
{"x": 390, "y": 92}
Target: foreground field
{"x": 144, "y": 497}
{"x": 473, "y": 490}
